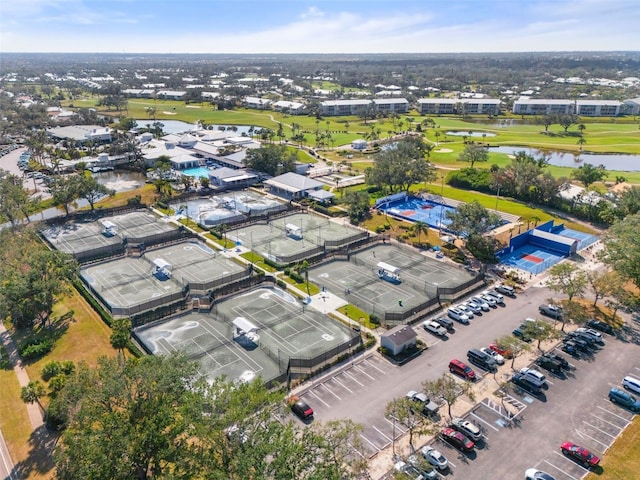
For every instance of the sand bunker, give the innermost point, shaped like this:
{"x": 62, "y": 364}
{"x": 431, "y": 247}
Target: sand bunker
{"x": 193, "y": 106}
{"x": 169, "y": 113}
{"x": 443, "y": 150}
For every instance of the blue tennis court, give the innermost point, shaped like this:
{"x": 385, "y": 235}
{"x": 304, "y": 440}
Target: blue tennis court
{"x": 531, "y": 258}
{"x": 584, "y": 239}
{"x": 417, "y": 209}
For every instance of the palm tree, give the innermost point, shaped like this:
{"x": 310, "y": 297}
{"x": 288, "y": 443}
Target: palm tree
{"x": 582, "y": 128}
{"x": 33, "y": 392}
{"x": 581, "y": 142}
{"x": 419, "y": 228}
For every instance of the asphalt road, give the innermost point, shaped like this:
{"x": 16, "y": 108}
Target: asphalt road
{"x": 574, "y": 408}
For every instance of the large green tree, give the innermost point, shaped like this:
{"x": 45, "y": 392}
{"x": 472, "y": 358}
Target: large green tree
{"x": 474, "y": 153}
{"x": 568, "y": 279}
{"x": 400, "y": 166}
{"x": 588, "y": 174}
{"x": 622, "y": 247}
{"x": 448, "y": 389}
{"x": 91, "y": 190}
{"x": 155, "y": 417}
{"x": 15, "y": 202}
{"x": 272, "y": 159}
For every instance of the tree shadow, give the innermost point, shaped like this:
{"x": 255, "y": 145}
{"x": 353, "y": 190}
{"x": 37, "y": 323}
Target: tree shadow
{"x": 40, "y": 458}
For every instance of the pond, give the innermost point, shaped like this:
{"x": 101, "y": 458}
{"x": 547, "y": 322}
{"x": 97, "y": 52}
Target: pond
{"x": 121, "y": 180}
{"x": 621, "y": 162}
{"x": 469, "y": 133}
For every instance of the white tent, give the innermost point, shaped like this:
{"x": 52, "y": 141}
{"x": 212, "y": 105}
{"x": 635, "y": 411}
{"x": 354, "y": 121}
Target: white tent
{"x": 161, "y": 267}
{"x": 388, "y": 272}
{"x": 244, "y": 327}
{"x": 293, "y": 230}
{"x": 109, "y": 229}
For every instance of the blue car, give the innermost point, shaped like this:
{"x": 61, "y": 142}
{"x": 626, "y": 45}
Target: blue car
{"x": 624, "y": 399}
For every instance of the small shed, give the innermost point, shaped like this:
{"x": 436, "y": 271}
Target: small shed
{"x": 388, "y": 272}
{"x": 109, "y": 229}
{"x": 161, "y": 267}
{"x": 359, "y": 144}
{"x": 293, "y": 230}
{"x": 398, "y": 339}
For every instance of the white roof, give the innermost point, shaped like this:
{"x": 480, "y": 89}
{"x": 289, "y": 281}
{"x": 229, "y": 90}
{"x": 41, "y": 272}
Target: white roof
{"x": 160, "y": 263}
{"x": 243, "y": 324}
{"x": 388, "y": 267}
{"x": 292, "y": 182}
{"x": 336, "y": 103}
{"x": 390, "y": 101}
{"x": 443, "y": 101}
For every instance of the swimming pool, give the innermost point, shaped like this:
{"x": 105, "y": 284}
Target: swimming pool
{"x": 417, "y": 209}
{"x": 196, "y": 172}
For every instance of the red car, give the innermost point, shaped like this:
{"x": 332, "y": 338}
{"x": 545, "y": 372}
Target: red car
{"x": 580, "y": 454}
{"x": 505, "y": 352}
{"x": 457, "y": 439}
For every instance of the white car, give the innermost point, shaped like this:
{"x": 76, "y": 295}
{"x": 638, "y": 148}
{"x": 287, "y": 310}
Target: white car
{"x": 478, "y": 300}
{"x": 466, "y": 427}
{"x": 490, "y": 300}
{"x": 435, "y": 328}
{"x": 631, "y": 383}
{"x": 468, "y": 312}
{"x": 473, "y": 307}
{"x": 597, "y": 336}
{"x": 534, "y": 474}
{"x": 534, "y": 376}
{"x": 458, "y": 315}
{"x": 434, "y": 457}
{"x": 495, "y": 295}
{"x": 495, "y": 355}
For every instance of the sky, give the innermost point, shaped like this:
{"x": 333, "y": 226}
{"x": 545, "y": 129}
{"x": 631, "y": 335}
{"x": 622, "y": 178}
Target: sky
{"x": 318, "y": 26}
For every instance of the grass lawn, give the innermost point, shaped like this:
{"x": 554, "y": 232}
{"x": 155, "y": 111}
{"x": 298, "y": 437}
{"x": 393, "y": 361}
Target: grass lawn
{"x": 622, "y": 460}
{"x": 258, "y": 261}
{"x": 357, "y": 315}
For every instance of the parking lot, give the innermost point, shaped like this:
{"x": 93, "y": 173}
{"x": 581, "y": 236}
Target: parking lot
{"x": 575, "y": 407}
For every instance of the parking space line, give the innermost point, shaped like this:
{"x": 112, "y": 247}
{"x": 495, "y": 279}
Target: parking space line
{"x": 353, "y": 378}
{"x": 581, "y": 433}
{"x": 372, "y": 365}
{"x": 602, "y": 431}
{"x": 356, "y": 450}
{"x": 572, "y": 462}
{"x": 376, "y": 429}
{"x": 612, "y": 424}
{"x": 614, "y": 414}
{"x": 363, "y": 372}
{"x": 370, "y": 442}
{"x": 485, "y": 422}
{"x": 637, "y": 368}
{"x": 560, "y": 470}
{"x": 397, "y": 426}
{"x": 342, "y": 385}
{"x": 331, "y": 392}
{"x": 315, "y": 395}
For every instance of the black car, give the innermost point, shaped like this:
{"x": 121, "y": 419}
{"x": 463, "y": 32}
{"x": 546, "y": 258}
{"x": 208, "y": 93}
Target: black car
{"x": 524, "y": 383}
{"x": 301, "y": 408}
{"x": 445, "y": 322}
{"x": 520, "y": 333}
{"x": 549, "y": 364}
{"x": 558, "y": 358}
{"x": 579, "y": 337}
{"x": 603, "y": 327}
{"x": 569, "y": 347}
{"x": 552, "y": 311}
{"x": 578, "y": 343}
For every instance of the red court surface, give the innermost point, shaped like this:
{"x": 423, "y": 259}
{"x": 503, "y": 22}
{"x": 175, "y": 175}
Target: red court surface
{"x": 531, "y": 258}
{"x": 408, "y": 213}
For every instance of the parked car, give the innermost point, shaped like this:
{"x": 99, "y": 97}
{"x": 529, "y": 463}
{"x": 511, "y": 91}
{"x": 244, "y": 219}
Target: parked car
{"x": 472, "y": 306}
{"x": 300, "y": 408}
{"x": 495, "y": 295}
{"x": 590, "y": 332}
{"x": 526, "y": 384}
{"x": 425, "y": 406}
{"x": 624, "y": 399}
{"x": 534, "y": 474}
{"x": 425, "y": 469}
{"x": 493, "y": 302}
{"x": 466, "y": 310}
{"x": 580, "y": 454}
{"x": 603, "y": 327}
{"x": 580, "y": 339}
{"x": 477, "y": 299}
{"x": 435, "y": 328}
{"x": 631, "y": 383}
{"x": 558, "y": 358}
{"x": 570, "y": 347}
{"x": 505, "y": 352}
{"x": 481, "y": 359}
{"x": 553, "y": 311}
{"x": 458, "y": 315}
{"x": 505, "y": 290}
{"x": 462, "y": 369}
{"x": 446, "y": 323}
{"x": 521, "y": 334}
{"x": 409, "y": 470}
{"x": 470, "y": 429}
{"x": 434, "y": 457}
{"x": 535, "y": 376}
{"x": 550, "y": 364}
{"x": 499, "y": 359}
{"x": 457, "y": 439}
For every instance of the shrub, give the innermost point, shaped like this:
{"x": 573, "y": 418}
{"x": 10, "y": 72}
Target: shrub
{"x": 137, "y": 200}
{"x": 471, "y": 179}
{"x": 296, "y": 277}
{"x": 68, "y": 367}
{"x": 282, "y": 284}
{"x": 373, "y": 318}
{"x": 36, "y": 350}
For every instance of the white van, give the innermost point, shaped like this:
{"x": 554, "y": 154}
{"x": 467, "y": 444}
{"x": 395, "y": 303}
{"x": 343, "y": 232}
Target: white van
{"x": 631, "y": 383}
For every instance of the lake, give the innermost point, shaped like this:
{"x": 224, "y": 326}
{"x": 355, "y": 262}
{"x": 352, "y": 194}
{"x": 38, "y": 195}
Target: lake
{"x": 622, "y": 162}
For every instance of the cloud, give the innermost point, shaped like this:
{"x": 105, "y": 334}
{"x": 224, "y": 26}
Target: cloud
{"x": 312, "y": 12}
